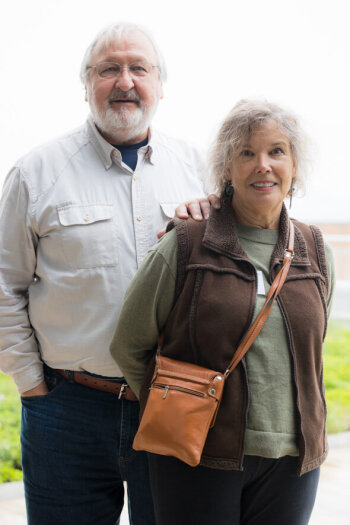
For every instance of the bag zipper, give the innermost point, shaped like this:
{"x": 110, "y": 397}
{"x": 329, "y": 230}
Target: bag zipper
{"x": 178, "y": 388}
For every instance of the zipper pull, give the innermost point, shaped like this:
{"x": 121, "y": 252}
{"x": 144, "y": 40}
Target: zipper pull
{"x": 165, "y": 392}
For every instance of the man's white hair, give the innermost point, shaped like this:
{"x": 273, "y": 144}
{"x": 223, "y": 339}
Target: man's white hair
{"x": 113, "y": 34}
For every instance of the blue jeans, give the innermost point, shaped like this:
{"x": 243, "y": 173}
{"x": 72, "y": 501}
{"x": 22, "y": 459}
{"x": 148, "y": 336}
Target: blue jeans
{"x": 76, "y": 453}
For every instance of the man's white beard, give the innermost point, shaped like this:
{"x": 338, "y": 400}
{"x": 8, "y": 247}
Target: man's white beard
{"x": 122, "y": 126}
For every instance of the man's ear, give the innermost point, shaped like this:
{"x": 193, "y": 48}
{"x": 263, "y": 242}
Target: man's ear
{"x": 86, "y": 95}
{"x": 161, "y": 91}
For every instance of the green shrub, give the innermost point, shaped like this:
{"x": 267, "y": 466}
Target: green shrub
{"x": 337, "y": 376}
{"x": 10, "y": 414}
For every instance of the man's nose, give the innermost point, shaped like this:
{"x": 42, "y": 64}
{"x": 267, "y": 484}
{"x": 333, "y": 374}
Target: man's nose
{"x": 124, "y": 80}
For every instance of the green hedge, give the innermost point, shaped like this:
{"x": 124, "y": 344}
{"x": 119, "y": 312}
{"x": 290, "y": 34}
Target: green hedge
{"x": 337, "y": 376}
{"x": 337, "y": 381}
{"x": 10, "y": 415}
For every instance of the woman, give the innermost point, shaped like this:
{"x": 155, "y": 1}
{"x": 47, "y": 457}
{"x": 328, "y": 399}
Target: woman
{"x": 202, "y": 286}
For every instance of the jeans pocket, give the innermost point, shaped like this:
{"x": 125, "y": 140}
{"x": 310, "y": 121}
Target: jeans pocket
{"x": 53, "y": 384}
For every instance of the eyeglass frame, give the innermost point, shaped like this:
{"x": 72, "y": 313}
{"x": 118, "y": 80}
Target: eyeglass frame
{"x": 127, "y": 66}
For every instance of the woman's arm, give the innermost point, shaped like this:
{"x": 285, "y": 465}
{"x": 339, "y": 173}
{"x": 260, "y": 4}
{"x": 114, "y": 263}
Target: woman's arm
{"x": 331, "y": 276}
{"x": 148, "y": 302}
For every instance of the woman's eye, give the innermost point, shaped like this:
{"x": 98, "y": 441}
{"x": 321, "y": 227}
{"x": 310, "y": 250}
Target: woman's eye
{"x": 246, "y": 153}
{"x": 277, "y": 151}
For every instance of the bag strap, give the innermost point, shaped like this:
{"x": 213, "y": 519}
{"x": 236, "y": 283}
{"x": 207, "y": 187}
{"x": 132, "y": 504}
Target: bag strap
{"x": 261, "y": 319}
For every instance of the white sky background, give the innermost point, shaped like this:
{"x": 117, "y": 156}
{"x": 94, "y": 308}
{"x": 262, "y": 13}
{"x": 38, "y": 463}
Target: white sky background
{"x": 295, "y": 53}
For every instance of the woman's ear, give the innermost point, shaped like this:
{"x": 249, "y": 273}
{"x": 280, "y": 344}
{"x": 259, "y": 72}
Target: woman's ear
{"x": 228, "y": 175}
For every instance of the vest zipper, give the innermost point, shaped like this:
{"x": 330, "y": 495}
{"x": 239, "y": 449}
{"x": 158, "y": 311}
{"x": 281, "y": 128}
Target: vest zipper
{"x": 291, "y": 349}
{"x": 241, "y": 451}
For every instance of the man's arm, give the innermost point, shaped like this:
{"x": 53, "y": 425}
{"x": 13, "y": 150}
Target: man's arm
{"x": 19, "y": 356}
{"x": 39, "y": 390}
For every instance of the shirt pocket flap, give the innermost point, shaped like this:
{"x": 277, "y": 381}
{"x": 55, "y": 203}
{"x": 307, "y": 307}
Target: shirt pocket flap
{"x": 84, "y": 214}
{"x": 169, "y": 208}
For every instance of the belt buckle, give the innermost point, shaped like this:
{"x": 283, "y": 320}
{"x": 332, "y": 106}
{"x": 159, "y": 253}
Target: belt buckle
{"x": 122, "y": 390}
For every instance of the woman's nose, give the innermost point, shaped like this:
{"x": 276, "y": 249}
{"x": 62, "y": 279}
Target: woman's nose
{"x": 263, "y": 164}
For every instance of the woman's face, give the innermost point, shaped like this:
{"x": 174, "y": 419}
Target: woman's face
{"x": 262, "y": 171}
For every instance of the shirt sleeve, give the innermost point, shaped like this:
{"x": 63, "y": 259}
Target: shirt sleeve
{"x": 147, "y": 305}
{"x": 19, "y": 355}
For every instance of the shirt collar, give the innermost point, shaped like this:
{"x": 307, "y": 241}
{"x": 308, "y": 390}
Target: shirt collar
{"x": 106, "y": 151}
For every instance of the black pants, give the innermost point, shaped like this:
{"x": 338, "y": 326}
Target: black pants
{"x": 267, "y": 492}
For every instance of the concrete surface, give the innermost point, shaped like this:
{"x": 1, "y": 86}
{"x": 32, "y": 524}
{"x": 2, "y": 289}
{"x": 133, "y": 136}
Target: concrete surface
{"x": 332, "y": 503}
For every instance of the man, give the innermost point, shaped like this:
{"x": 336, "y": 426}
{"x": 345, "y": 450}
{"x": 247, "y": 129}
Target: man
{"x": 77, "y": 216}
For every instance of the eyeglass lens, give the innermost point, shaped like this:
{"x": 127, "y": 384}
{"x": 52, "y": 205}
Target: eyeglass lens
{"x": 112, "y": 69}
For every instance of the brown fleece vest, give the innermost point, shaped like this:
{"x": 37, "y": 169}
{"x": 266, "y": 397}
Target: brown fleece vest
{"x": 216, "y": 294}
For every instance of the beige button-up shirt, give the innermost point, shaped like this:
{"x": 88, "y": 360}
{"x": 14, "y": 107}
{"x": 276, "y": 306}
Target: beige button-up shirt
{"x": 75, "y": 223}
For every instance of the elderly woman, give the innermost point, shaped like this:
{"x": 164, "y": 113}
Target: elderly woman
{"x": 202, "y": 286}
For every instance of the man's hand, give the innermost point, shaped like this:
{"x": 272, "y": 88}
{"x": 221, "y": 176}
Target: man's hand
{"x": 39, "y": 390}
{"x": 197, "y": 208}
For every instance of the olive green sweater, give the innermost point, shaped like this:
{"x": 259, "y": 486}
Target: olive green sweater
{"x": 272, "y": 419}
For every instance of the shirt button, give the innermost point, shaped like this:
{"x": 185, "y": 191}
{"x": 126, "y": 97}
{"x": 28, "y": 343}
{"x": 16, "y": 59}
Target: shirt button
{"x": 134, "y": 177}
{"x": 87, "y": 218}
{"x": 139, "y": 218}
{"x": 115, "y": 153}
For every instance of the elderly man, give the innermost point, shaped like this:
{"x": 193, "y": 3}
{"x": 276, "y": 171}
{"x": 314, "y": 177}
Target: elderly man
{"x": 77, "y": 216}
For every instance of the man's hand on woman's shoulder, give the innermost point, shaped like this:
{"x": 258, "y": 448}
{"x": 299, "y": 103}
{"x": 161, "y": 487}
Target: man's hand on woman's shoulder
{"x": 197, "y": 208}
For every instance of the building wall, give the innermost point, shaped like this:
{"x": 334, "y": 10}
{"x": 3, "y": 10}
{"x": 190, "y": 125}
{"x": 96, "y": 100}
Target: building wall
{"x": 338, "y": 236}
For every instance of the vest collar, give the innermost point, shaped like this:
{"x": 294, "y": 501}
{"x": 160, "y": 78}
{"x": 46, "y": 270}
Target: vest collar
{"x": 221, "y": 236}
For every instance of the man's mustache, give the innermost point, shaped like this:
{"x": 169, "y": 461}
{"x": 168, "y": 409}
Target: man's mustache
{"x": 118, "y": 94}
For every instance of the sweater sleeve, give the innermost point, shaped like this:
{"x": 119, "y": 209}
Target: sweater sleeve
{"x": 147, "y": 305}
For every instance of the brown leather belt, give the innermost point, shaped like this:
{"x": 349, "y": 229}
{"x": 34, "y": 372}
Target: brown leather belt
{"x": 121, "y": 389}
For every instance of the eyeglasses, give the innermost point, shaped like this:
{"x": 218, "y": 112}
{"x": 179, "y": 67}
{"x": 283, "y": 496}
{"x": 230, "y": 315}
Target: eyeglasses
{"x": 114, "y": 70}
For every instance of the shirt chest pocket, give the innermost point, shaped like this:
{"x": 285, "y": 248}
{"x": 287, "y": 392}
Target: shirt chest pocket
{"x": 88, "y": 235}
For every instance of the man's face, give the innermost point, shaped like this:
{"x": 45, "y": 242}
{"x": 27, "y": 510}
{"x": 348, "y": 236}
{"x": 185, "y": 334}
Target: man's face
{"x": 123, "y": 107}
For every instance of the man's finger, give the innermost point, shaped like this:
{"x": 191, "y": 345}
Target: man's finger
{"x": 161, "y": 233}
{"x": 181, "y": 211}
{"x": 194, "y": 209}
{"x": 214, "y": 201}
{"x": 205, "y": 207}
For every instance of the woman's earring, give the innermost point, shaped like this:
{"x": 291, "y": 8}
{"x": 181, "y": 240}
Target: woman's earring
{"x": 291, "y": 191}
{"x": 228, "y": 189}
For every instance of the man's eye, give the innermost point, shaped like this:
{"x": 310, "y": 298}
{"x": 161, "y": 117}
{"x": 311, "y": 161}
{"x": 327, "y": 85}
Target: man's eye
{"x": 109, "y": 69}
{"x": 138, "y": 69}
